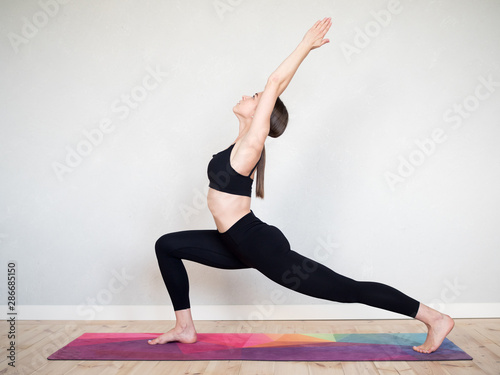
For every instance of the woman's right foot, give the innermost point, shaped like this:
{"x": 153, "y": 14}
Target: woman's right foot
{"x": 438, "y": 330}
{"x": 185, "y": 335}
{"x": 438, "y": 324}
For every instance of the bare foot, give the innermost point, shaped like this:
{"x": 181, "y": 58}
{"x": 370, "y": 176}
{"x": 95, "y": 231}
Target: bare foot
{"x": 438, "y": 330}
{"x": 186, "y": 335}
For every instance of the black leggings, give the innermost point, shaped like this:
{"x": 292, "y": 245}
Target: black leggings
{"x": 251, "y": 243}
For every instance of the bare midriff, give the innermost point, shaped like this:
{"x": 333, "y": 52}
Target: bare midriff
{"x": 227, "y": 208}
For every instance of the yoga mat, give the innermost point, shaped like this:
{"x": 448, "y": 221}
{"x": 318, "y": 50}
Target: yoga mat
{"x": 257, "y": 347}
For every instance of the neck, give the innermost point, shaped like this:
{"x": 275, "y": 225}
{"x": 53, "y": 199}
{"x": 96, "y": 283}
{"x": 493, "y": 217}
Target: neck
{"x": 244, "y": 126}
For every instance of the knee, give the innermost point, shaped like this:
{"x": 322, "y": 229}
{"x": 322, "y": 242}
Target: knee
{"x": 164, "y": 245}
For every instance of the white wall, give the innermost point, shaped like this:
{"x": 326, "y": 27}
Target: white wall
{"x": 153, "y": 83}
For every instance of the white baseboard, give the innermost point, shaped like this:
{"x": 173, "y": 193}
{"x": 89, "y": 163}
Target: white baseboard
{"x": 238, "y": 312}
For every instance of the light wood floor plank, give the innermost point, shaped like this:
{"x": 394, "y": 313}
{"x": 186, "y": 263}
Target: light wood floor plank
{"x": 257, "y": 368}
{"x": 391, "y": 368}
{"x": 223, "y": 367}
{"x": 324, "y": 368}
{"x": 484, "y": 358}
{"x": 291, "y": 368}
{"x": 367, "y": 368}
{"x": 196, "y": 368}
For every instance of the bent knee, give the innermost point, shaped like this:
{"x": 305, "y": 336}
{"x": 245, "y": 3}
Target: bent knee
{"x": 164, "y": 245}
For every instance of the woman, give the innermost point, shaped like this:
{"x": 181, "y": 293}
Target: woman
{"x": 243, "y": 241}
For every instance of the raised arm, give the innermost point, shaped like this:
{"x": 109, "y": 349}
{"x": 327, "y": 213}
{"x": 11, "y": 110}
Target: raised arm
{"x": 281, "y": 77}
{"x": 314, "y": 38}
{"x": 253, "y": 142}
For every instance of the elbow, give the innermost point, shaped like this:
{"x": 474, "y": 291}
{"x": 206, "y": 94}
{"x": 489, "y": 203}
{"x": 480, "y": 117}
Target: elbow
{"x": 274, "y": 84}
{"x": 274, "y": 80}
{"x": 274, "y": 77}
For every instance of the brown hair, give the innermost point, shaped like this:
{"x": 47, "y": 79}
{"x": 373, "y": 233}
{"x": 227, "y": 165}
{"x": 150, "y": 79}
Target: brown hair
{"x": 279, "y": 121}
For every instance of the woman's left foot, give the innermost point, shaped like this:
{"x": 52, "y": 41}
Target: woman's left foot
{"x": 438, "y": 330}
{"x": 186, "y": 335}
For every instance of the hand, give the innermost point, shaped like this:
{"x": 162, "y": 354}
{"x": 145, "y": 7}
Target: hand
{"x": 314, "y": 38}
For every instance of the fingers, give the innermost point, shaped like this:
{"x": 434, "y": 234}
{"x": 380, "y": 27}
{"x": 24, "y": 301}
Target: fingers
{"x": 315, "y": 36}
{"x": 324, "y": 23}
{"x": 321, "y": 27}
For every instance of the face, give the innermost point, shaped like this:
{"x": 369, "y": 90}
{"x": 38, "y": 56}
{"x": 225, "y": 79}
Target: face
{"x": 247, "y": 105}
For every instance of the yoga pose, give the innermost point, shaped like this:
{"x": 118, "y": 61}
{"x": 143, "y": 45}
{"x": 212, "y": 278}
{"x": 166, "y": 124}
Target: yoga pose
{"x": 243, "y": 241}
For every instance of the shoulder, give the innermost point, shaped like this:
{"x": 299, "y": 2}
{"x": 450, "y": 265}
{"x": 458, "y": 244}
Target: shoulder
{"x": 245, "y": 155}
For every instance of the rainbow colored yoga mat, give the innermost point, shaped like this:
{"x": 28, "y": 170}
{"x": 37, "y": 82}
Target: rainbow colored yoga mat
{"x": 257, "y": 347}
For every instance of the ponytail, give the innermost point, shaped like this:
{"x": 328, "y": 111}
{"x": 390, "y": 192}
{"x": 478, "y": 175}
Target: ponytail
{"x": 260, "y": 174}
{"x": 278, "y": 123}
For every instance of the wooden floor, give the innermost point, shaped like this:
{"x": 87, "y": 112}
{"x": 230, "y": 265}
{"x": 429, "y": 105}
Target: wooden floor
{"x": 35, "y": 340}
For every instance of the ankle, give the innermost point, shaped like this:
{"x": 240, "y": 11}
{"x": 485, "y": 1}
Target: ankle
{"x": 183, "y": 326}
{"x": 183, "y": 319}
{"x": 428, "y": 315}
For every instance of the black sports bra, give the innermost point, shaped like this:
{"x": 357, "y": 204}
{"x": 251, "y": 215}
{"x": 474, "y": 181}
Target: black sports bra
{"x": 224, "y": 178}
